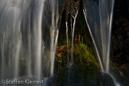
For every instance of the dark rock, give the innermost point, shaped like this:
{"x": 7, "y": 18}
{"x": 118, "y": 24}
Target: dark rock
{"x": 106, "y": 80}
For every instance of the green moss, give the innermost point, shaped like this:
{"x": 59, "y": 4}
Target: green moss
{"x": 85, "y": 61}
{"x": 85, "y": 68}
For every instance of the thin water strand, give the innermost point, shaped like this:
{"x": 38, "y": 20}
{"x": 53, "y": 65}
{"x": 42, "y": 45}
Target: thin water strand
{"x": 54, "y": 38}
{"x": 73, "y": 30}
{"x": 54, "y": 32}
{"x": 67, "y": 39}
{"x": 101, "y": 65}
{"x": 37, "y": 22}
{"x": 110, "y": 28}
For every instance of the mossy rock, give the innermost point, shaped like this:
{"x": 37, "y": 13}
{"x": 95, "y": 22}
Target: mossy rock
{"x": 106, "y": 80}
{"x": 83, "y": 72}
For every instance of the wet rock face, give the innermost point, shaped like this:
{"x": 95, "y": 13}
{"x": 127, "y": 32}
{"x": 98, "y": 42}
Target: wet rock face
{"x": 106, "y": 80}
{"x": 73, "y": 79}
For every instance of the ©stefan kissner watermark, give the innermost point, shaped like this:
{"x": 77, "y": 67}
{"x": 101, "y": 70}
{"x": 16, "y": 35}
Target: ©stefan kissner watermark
{"x": 19, "y": 82}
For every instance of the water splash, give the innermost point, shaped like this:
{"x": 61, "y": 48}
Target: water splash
{"x": 115, "y": 82}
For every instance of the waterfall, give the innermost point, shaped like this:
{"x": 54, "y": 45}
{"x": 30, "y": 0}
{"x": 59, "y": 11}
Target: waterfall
{"x": 98, "y": 15}
{"x": 28, "y": 38}
{"x": 99, "y": 20}
{"x": 37, "y": 30}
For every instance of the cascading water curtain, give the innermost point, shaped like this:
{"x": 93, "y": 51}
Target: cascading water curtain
{"x": 98, "y": 15}
{"x": 28, "y": 39}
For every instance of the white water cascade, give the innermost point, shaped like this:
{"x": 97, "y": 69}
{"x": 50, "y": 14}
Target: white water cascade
{"x": 28, "y": 38}
{"x": 98, "y": 15}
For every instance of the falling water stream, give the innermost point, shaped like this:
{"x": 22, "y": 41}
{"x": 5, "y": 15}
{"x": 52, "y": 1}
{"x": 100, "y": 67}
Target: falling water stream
{"x": 29, "y": 35}
{"x": 73, "y": 30}
{"x": 28, "y": 38}
{"x": 54, "y": 35}
{"x": 37, "y": 25}
{"x": 72, "y": 25}
{"x": 98, "y": 15}
{"x": 67, "y": 37}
